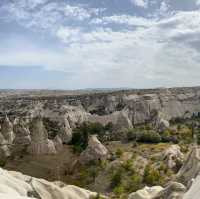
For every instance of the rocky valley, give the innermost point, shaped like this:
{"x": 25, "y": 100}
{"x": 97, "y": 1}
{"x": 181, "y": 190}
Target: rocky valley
{"x": 135, "y": 144}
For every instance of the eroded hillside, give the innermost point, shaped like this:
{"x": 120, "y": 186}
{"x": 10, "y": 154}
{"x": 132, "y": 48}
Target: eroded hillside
{"x": 114, "y": 143}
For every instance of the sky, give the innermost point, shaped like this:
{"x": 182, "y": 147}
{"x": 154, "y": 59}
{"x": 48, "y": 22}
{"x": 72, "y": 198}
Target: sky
{"x": 77, "y": 44}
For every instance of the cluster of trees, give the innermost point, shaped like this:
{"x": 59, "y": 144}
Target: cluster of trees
{"x": 149, "y": 136}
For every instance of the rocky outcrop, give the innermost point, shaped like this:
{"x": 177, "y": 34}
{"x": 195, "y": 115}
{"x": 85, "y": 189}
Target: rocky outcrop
{"x": 191, "y": 167}
{"x": 94, "y": 152}
{"x": 4, "y": 149}
{"x": 7, "y": 130}
{"x": 19, "y": 186}
{"x": 40, "y": 144}
{"x": 194, "y": 191}
{"x": 173, "y": 156}
{"x": 146, "y": 193}
{"x": 66, "y": 117}
{"x": 22, "y": 137}
{"x": 160, "y": 123}
{"x": 189, "y": 174}
{"x": 58, "y": 143}
{"x": 173, "y": 190}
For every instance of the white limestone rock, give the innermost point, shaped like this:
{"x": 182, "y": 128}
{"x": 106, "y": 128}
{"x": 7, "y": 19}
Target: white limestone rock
{"x": 7, "y": 130}
{"x": 14, "y": 185}
{"x": 22, "y": 137}
{"x": 94, "y": 152}
{"x": 4, "y": 149}
{"x": 173, "y": 190}
{"x": 172, "y": 155}
{"x": 58, "y": 143}
{"x": 40, "y": 144}
{"x": 194, "y": 191}
{"x": 191, "y": 167}
{"x": 146, "y": 193}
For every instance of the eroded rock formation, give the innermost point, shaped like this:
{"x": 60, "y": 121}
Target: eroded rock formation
{"x": 40, "y": 144}
{"x": 94, "y": 152}
{"x": 173, "y": 156}
{"x": 7, "y": 130}
{"x": 146, "y": 193}
{"x": 191, "y": 167}
{"x": 14, "y": 185}
{"x": 22, "y": 137}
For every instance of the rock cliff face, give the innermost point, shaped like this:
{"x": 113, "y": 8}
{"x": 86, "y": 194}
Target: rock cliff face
{"x": 63, "y": 111}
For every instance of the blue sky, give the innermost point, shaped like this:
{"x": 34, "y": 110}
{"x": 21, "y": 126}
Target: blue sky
{"x": 71, "y": 44}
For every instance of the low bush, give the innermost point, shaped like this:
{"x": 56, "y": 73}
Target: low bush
{"x": 116, "y": 178}
{"x": 119, "y": 190}
{"x": 119, "y": 153}
{"x": 135, "y": 183}
{"x": 151, "y": 176}
{"x": 128, "y": 165}
{"x": 2, "y": 163}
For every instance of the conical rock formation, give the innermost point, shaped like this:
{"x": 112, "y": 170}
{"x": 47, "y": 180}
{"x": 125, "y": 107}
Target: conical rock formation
{"x": 40, "y": 144}
{"x": 94, "y": 152}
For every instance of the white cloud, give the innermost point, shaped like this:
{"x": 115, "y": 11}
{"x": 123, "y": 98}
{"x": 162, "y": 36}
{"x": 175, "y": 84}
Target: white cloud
{"x": 50, "y": 15}
{"x": 164, "y": 7}
{"x": 198, "y": 2}
{"x": 140, "y": 3}
{"x": 156, "y": 52}
{"x": 124, "y": 19}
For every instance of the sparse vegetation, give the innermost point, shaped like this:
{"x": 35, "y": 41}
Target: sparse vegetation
{"x": 151, "y": 176}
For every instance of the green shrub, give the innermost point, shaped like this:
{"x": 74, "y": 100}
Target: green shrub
{"x": 135, "y": 183}
{"x": 151, "y": 176}
{"x": 119, "y": 190}
{"x": 128, "y": 165}
{"x": 119, "y": 152}
{"x": 149, "y": 137}
{"x": 80, "y": 138}
{"x": 131, "y": 134}
{"x": 2, "y": 163}
{"x": 116, "y": 178}
{"x": 109, "y": 127}
{"x": 198, "y": 137}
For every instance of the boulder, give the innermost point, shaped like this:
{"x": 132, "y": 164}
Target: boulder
{"x": 172, "y": 156}
{"x": 94, "y": 152}
{"x": 146, "y": 193}
{"x": 173, "y": 190}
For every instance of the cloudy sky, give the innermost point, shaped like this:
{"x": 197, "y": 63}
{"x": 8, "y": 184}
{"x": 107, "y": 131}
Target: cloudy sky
{"x": 70, "y": 44}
